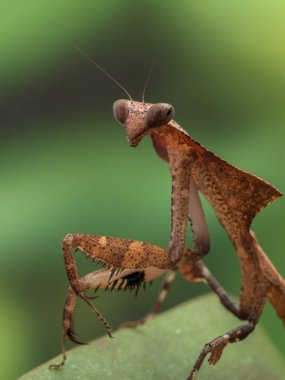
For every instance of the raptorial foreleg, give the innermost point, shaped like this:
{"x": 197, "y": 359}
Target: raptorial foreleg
{"x": 68, "y": 313}
{"x": 101, "y": 279}
{"x": 114, "y": 253}
{"x": 180, "y": 170}
{"x": 157, "y": 306}
{"x": 129, "y": 264}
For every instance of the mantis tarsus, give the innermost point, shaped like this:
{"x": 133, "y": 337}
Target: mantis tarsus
{"x": 236, "y": 197}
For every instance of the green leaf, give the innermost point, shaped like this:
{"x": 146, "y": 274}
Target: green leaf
{"x": 167, "y": 347}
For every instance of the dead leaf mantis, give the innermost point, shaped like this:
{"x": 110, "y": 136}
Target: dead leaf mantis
{"x": 236, "y": 197}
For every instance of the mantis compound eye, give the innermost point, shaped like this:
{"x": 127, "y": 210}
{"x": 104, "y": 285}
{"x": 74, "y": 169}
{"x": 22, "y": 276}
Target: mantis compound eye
{"x": 121, "y": 110}
{"x": 159, "y": 114}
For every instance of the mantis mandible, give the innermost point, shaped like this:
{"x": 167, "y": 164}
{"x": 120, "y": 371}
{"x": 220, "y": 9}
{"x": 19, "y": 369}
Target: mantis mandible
{"x": 236, "y": 197}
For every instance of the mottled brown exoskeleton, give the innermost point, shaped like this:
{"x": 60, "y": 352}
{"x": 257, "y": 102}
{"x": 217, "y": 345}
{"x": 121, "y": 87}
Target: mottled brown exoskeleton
{"x": 236, "y": 197}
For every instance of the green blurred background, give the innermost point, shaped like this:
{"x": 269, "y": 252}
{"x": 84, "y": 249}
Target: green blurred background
{"x": 66, "y": 166}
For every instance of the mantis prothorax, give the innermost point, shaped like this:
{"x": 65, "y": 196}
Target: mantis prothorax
{"x": 236, "y": 197}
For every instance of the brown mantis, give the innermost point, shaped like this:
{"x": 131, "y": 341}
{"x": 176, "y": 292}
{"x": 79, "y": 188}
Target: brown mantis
{"x": 236, "y": 197}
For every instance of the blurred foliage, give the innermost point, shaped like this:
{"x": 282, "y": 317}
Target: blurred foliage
{"x": 65, "y": 163}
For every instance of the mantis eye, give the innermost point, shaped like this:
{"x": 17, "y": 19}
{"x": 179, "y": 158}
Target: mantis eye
{"x": 159, "y": 114}
{"x": 121, "y": 110}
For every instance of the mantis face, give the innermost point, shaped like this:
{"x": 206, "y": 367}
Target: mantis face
{"x": 141, "y": 119}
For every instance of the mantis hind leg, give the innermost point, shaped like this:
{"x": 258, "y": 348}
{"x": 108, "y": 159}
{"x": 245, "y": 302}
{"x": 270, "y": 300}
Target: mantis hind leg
{"x": 216, "y": 346}
{"x": 196, "y": 271}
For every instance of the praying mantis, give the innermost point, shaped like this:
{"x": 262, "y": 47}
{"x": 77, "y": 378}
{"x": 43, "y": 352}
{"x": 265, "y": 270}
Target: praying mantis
{"x": 236, "y": 197}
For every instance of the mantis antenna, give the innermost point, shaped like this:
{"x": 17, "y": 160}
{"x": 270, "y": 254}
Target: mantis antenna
{"x": 147, "y": 79}
{"x": 103, "y": 71}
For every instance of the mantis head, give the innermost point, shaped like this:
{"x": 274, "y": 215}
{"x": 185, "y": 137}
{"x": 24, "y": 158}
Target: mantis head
{"x": 141, "y": 119}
